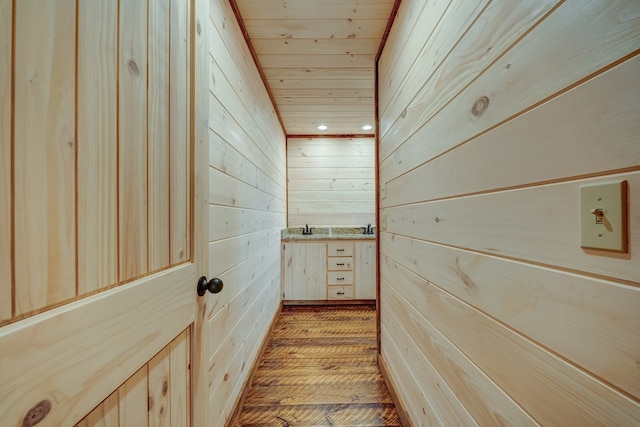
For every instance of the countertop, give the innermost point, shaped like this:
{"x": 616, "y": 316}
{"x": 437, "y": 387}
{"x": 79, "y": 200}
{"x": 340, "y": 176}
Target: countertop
{"x": 327, "y": 233}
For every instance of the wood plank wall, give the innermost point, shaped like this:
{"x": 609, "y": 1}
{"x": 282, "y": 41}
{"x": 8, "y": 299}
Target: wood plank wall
{"x": 492, "y": 115}
{"x": 247, "y": 194}
{"x": 156, "y": 395}
{"x": 94, "y": 147}
{"x": 331, "y": 181}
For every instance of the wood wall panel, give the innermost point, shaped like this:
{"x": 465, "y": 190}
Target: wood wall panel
{"x": 521, "y": 78}
{"x": 247, "y": 194}
{"x": 417, "y": 404}
{"x": 233, "y": 55}
{"x": 223, "y": 122}
{"x": 441, "y": 397}
{"x": 328, "y": 9}
{"x": 482, "y": 156}
{"x": 225, "y": 190}
{"x": 229, "y": 252}
{"x": 441, "y": 27}
{"x": 6, "y": 159}
{"x": 497, "y": 216}
{"x": 97, "y": 140}
{"x": 45, "y": 196}
{"x": 483, "y": 399}
{"x": 602, "y": 340}
{"x": 346, "y": 166}
{"x": 244, "y": 135}
{"x": 571, "y": 140}
{"x": 132, "y": 153}
{"x": 404, "y": 38}
{"x": 158, "y": 134}
{"x": 521, "y": 367}
{"x": 451, "y": 65}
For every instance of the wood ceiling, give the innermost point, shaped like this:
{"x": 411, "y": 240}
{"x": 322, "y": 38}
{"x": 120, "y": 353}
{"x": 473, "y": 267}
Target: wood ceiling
{"x": 317, "y": 58}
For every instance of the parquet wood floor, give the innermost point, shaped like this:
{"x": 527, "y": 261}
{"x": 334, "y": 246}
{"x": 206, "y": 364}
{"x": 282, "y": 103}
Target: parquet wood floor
{"x": 320, "y": 369}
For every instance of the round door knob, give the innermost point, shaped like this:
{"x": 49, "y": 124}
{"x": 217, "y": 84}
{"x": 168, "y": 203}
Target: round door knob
{"x": 214, "y": 285}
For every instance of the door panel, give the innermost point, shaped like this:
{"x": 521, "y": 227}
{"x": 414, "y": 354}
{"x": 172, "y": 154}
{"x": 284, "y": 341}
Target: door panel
{"x": 166, "y": 377}
{"x": 132, "y": 151}
{"x": 43, "y": 154}
{"x": 5, "y": 160}
{"x": 100, "y": 179}
{"x": 76, "y": 355}
{"x": 97, "y": 125}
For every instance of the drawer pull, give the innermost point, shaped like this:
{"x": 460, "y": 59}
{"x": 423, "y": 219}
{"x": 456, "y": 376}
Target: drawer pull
{"x": 340, "y": 263}
{"x": 339, "y": 278}
{"x": 340, "y": 293}
{"x": 339, "y": 250}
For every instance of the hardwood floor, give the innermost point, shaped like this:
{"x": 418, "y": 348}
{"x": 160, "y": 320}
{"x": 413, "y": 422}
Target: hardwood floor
{"x": 320, "y": 370}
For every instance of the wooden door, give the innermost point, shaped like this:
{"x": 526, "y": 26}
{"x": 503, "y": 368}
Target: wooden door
{"x": 102, "y": 214}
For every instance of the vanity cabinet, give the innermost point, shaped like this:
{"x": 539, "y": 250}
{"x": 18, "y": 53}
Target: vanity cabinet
{"x": 340, "y": 270}
{"x": 365, "y": 269}
{"x": 328, "y": 271}
{"x": 304, "y": 271}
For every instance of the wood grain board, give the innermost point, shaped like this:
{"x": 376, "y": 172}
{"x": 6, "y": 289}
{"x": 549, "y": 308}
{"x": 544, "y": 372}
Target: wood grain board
{"x": 158, "y": 139}
{"x": 97, "y": 138}
{"x": 246, "y": 210}
{"x": 6, "y": 202}
{"x": 346, "y": 166}
{"x": 86, "y": 224}
{"x": 320, "y": 368}
{"x": 179, "y": 132}
{"x": 95, "y": 99}
{"x": 308, "y": 52}
{"x": 132, "y": 155}
{"x": 156, "y": 395}
{"x": 492, "y": 117}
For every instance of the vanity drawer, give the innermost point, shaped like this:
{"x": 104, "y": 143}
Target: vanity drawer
{"x": 340, "y": 292}
{"x": 340, "y": 263}
{"x": 340, "y": 249}
{"x": 340, "y": 278}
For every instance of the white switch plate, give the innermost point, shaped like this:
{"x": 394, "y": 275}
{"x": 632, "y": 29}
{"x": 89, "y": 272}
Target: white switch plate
{"x": 383, "y": 220}
{"x": 611, "y": 233}
{"x": 383, "y": 191}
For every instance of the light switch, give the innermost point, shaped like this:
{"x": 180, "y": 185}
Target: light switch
{"x": 383, "y": 191}
{"x": 383, "y": 220}
{"x": 603, "y": 216}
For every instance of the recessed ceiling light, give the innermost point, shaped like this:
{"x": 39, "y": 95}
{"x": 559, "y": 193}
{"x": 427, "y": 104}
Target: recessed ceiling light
{"x": 322, "y": 127}
{"x": 367, "y": 127}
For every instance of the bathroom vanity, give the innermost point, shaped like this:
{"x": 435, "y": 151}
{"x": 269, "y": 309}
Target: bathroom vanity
{"x": 328, "y": 266}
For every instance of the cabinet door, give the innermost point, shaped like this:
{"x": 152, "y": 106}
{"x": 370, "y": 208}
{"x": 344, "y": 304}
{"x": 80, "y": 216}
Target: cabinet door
{"x": 305, "y": 275}
{"x": 365, "y": 269}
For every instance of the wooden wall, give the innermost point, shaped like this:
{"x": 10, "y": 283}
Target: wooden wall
{"x": 331, "y": 181}
{"x": 492, "y": 115}
{"x": 246, "y": 212}
{"x": 94, "y": 147}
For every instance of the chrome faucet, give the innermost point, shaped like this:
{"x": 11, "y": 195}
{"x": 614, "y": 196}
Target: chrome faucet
{"x": 368, "y": 229}
{"x": 306, "y": 231}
